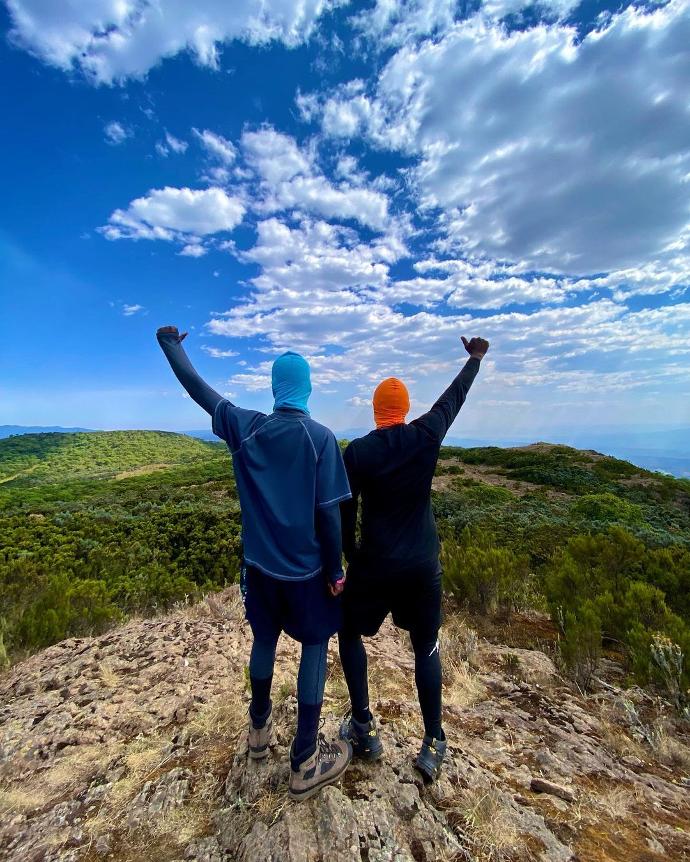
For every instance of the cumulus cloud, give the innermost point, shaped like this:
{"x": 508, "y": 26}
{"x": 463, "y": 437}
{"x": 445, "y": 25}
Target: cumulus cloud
{"x": 216, "y": 146}
{"x": 532, "y": 144}
{"x": 172, "y": 213}
{"x": 171, "y": 144}
{"x": 396, "y": 22}
{"x": 290, "y": 178}
{"x": 111, "y": 40}
{"x": 116, "y": 133}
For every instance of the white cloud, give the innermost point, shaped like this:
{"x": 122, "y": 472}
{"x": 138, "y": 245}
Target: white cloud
{"x": 116, "y": 133}
{"x": 217, "y": 146}
{"x": 116, "y": 39}
{"x": 171, "y": 143}
{"x": 172, "y": 213}
{"x": 217, "y": 353}
{"x": 193, "y": 249}
{"x": 291, "y": 179}
{"x": 534, "y": 145}
{"x": 129, "y": 310}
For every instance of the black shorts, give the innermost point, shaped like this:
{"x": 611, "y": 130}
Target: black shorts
{"x": 412, "y": 597}
{"x": 304, "y": 610}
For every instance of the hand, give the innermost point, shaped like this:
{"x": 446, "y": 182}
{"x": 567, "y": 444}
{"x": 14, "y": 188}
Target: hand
{"x": 171, "y": 330}
{"x": 476, "y": 347}
{"x": 337, "y": 587}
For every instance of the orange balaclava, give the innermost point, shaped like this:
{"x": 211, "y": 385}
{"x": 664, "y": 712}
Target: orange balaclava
{"x": 391, "y": 403}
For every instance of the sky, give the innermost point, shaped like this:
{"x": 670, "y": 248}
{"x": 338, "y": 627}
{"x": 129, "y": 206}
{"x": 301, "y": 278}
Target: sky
{"x": 363, "y": 182}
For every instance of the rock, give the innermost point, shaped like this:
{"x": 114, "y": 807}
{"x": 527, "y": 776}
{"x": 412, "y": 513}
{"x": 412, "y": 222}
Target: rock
{"x": 336, "y": 827}
{"x": 157, "y": 798}
{"x": 204, "y": 850}
{"x": 79, "y": 754}
{"x": 541, "y": 785}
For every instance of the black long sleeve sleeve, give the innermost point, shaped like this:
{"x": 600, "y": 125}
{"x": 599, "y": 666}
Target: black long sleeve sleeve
{"x": 348, "y": 508}
{"x": 442, "y": 415}
{"x": 330, "y": 539}
{"x": 198, "y": 389}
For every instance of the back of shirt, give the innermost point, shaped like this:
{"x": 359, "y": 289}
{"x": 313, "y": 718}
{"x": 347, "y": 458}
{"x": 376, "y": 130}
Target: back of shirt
{"x": 392, "y": 470}
{"x": 286, "y": 466}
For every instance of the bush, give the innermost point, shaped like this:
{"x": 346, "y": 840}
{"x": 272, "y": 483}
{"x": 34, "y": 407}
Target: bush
{"x": 486, "y": 577}
{"x": 580, "y": 645}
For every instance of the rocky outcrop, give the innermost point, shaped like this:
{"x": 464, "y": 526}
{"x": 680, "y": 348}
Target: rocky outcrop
{"x": 131, "y": 746}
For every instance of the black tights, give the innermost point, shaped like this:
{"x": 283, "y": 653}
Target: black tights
{"x": 427, "y": 664}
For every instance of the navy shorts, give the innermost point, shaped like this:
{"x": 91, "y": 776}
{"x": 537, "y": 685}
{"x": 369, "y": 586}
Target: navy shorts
{"x": 412, "y": 597}
{"x": 304, "y": 610}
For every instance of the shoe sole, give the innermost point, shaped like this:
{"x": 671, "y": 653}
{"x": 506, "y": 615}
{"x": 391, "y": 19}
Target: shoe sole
{"x": 300, "y": 796}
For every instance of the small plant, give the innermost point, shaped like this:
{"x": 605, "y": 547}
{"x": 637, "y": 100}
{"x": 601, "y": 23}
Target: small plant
{"x": 510, "y": 664}
{"x": 667, "y": 657}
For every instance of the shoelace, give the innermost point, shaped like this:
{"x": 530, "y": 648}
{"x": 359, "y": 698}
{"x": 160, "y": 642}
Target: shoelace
{"x": 326, "y": 749}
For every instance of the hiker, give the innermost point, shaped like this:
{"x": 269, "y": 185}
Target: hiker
{"x": 395, "y": 568}
{"x": 290, "y": 479}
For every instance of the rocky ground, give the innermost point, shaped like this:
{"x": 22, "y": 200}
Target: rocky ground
{"x": 130, "y": 746}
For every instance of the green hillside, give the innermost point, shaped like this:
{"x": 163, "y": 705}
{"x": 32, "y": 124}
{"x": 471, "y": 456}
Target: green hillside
{"x": 38, "y": 459}
{"x": 96, "y": 526}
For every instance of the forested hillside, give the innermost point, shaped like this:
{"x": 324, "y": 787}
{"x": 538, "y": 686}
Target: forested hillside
{"x": 97, "y": 526}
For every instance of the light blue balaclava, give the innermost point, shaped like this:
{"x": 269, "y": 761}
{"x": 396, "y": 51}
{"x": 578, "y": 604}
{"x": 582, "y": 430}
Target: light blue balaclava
{"x": 291, "y": 381}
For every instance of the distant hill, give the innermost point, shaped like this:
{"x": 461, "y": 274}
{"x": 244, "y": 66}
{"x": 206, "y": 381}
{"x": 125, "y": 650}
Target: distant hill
{"x": 10, "y": 430}
{"x": 37, "y": 459}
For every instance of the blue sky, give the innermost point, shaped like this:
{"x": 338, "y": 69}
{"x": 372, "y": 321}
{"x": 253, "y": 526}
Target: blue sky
{"x": 363, "y": 182}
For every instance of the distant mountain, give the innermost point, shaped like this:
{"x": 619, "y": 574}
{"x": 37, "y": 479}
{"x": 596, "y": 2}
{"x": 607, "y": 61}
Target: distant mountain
{"x": 10, "y": 430}
{"x": 207, "y": 435}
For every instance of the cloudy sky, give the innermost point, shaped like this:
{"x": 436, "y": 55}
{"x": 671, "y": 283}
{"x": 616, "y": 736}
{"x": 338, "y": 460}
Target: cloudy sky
{"x": 363, "y": 182}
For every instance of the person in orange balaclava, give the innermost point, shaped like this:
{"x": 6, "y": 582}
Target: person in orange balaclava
{"x": 395, "y": 567}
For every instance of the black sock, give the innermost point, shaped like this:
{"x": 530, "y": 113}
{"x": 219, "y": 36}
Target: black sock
{"x": 260, "y": 705}
{"x": 304, "y": 745}
{"x": 353, "y": 658}
{"x": 428, "y": 679}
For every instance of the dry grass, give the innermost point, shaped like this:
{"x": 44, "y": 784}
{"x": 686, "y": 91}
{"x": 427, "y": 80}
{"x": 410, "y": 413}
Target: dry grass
{"x": 109, "y": 677}
{"x": 17, "y": 801}
{"x": 486, "y": 817}
{"x": 458, "y": 644}
{"x": 458, "y": 640}
{"x": 616, "y": 803}
{"x": 668, "y": 749}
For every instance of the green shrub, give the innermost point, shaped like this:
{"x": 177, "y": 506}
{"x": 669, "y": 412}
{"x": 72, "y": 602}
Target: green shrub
{"x": 607, "y": 508}
{"x": 486, "y": 577}
{"x": 580, "y": 645}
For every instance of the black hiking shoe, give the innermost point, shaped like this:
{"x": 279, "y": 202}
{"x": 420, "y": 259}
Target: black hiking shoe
{"x": 364, "y": 738}
{"x": 430, "y": 757}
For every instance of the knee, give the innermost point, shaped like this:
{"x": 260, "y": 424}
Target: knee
{"x": 425, "y": 647}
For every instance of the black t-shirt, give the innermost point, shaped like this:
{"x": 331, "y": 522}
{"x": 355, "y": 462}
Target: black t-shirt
{"x": 392, "y": 469}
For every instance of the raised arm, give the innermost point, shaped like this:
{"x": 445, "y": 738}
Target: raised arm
{"x": 170, "y": 341}
{"x": 442, "y": 415}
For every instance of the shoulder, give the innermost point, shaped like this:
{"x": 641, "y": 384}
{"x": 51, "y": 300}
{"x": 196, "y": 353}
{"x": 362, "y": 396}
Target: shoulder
{"x": 320, "y": 435}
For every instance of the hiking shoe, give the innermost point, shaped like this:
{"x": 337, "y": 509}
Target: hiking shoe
{"x": 430, "y": 757}
{"x": 364, "y": 738}
{"x": 260, "y": 738}
{"x": 325, "y": 766}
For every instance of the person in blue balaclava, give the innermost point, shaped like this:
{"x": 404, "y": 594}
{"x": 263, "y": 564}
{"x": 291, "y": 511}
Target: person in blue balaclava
{"x": 290, "y": 480}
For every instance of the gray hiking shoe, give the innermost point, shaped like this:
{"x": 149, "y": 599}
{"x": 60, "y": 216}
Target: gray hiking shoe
{"x": 430, "y": 757}
{"x": 260, "y": 738}
{"x": 325, "y": 766}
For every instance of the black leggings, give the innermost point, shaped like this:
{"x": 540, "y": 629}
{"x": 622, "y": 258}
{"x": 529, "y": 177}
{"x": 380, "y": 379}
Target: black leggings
{"x": 427, "y": 664}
